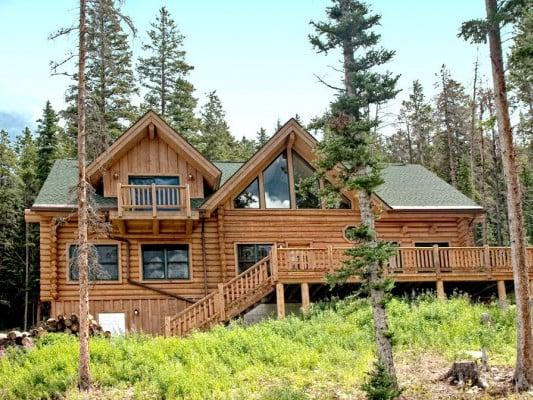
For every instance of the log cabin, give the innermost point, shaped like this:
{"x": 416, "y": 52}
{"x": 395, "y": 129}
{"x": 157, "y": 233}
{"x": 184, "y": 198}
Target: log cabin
{"x": 192, "y": 242}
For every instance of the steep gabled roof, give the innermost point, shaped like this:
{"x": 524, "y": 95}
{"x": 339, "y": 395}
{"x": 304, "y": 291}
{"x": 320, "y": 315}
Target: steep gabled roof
{"x": 406, "y": 186}
{"x": 132, "y": 136}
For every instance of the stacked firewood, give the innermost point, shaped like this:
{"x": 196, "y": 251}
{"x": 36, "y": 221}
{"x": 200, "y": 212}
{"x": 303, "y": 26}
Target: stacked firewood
{"x": 61, "y": 324}
{"x": 69, "y": 324}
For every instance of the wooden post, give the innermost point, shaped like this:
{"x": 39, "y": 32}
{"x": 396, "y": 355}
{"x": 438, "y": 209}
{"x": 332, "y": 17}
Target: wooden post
{"x": 486, "y": 261}
{"x": 167, "y": 326}
{"x": 154, "y": 202}
{"x": 436, "y": 262}
{"x": 502, "y": 294}
{"x": 274, "y": 262}
{"x": 188, "y": 200}
{"x": 221, "y": 302}
{"x": 441, "y": 294}
{"x": 119, "y": 199}
{"x": 305, "y": 296}
{"x": 280, "y": 300}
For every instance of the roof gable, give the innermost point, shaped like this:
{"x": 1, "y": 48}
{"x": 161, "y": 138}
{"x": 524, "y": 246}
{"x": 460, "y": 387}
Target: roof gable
{"x": 291, "y": 131}
{"x": 150, "y": 123}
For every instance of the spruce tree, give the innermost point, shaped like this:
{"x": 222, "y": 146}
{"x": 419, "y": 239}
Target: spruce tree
{"x": 347, "y": 148}
{"x": 11, "y": 212}
{"x": 261, "y": 137}
{"x": 48, "y": 132}
{"x": 27, "y": 166}
{"x": 163, "y": 72}
{"x": 216, "y": 141}
{"x": 110, "y": 80}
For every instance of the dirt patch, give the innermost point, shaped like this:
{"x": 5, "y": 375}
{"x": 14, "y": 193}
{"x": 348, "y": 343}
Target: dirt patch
{"x": 420, "y": 376}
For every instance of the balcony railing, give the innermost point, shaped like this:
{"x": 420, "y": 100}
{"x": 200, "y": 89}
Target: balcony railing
{"x": 155, "y": 199}
{"x": 406, "y": 261}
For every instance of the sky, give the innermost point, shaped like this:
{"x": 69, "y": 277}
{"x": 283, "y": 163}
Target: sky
{"x": 255, "y": 54}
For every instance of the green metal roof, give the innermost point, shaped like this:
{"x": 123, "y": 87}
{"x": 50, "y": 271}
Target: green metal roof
{"x": 411, "y": 186}
{"x": 407, "y": 186}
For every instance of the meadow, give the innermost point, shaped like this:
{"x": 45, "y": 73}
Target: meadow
{"x": 323, "y": 354}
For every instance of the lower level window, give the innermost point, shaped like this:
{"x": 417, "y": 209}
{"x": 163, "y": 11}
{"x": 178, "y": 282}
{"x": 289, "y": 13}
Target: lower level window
{"x": 249, "y": 254}
{"x": 103, "y": 262}
{"x": 165, "y": 261}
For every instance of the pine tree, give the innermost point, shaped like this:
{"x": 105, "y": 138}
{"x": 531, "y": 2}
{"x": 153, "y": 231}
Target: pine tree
{"x": 27, "y": 166}
{"x": 110, "y": 80}
{"x": 245, "y": 149}
{"x": 216, "y": 141}
{"x": 11, "y": 211}
{"x": 478, "y": 31}
{"x": 261, "y": 137}
{"x": 26, "y": 151}
{"x": 163, "y": 73}
{"x": 347, "y": 147}
{"x": 48, "y": 132}
{"x": 452, "y": 108}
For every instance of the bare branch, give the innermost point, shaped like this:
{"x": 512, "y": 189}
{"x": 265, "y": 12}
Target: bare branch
{"x": 62, "y": 32}
{"x": 327, "y": 84}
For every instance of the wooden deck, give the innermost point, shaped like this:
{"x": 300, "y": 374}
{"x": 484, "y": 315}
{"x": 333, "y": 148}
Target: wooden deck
{"x": 310, "y": 265}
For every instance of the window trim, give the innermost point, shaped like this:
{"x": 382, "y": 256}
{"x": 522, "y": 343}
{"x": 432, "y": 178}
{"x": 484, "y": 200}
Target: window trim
{"x": 174, "y": 280}
{"x": 236, "y": 252}
{"x": 95, "y": 243}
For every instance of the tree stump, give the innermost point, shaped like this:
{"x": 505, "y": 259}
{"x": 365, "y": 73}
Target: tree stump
{"x": 464, "y": 372}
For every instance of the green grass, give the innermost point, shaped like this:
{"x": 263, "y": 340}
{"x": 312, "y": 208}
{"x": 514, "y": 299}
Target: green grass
{"x": 327, "y": 351}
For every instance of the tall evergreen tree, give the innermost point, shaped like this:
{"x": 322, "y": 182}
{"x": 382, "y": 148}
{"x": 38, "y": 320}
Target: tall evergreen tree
{"x": 11, "y": 211}
{"x": 498, "y": 14}
{"x": 27, "y": 166}
{"x": 110, "y": 80}
{"x": 453, "y": 111}
{"x": 48, "y": 132}
{"x": 163, "y": 72}
{"x": 216, "y": 141}
{"x": 261, "y": 137}
{"x": 347, "y": 147}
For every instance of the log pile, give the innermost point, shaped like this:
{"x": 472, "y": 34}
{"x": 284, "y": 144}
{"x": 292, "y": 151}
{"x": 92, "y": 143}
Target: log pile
{"x": 61, "y": 324}
{"x": 69, "y": 324}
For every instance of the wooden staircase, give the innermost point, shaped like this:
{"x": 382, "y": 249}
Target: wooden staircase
{"x": 229, "y": 300}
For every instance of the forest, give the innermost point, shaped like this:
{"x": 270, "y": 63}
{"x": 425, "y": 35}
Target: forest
{"x": 453, "y": 133}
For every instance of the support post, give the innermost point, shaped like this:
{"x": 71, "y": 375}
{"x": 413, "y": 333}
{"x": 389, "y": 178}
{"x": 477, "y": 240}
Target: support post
{"x": 154, "y": 202}
{"x": 502, "y": 294}
{"x": 119, "y": 199}
{"x": 441, "y": 294}
{"x": 305, "y": 296}
{"x": 167, "y": 326}
{"x": 486, "y": 261}
{"x": 436, "y": 260}
{"x": 274, "y": 262}
{"x": 280, "y": 300}
{"x": 220, "y": 302}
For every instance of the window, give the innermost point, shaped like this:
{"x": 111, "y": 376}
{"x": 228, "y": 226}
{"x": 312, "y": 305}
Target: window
{"x": 305, "y": 187}
{"x": 337, "y": 200}
{"x": 165, "y": 261}
{"x": 158, "y": 180}
{"x": 249, "y": 197}
{"x": 103, "y": 262}
{"x": 249, "y": 254}
{"x": 276, "y": 181}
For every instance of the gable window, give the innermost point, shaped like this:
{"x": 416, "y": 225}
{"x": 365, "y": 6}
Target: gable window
{"x": 165, "y": 261}
{"x": 276, "y": 182}
{"x": 250, "y": 254}
{"x": 249, "y": 197}
{"x": 103, "y": 262}
{"x": 305, "y": 186}
{"x": 289, "y": 182}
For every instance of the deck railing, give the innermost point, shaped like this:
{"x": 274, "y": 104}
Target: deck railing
{"x": 154, "y": 198}
{"x": 294, "y": 262}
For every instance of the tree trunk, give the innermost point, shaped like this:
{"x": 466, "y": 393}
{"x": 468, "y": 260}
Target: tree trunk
{"x": 524, "y": 351}
{"x": 473, "y": 133}
{"x": 84, "y": 377}
{"x": 379, "y": 314}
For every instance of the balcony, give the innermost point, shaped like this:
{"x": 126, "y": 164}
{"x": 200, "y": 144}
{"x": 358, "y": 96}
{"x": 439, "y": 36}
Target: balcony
{"x": 153, "y": 207}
